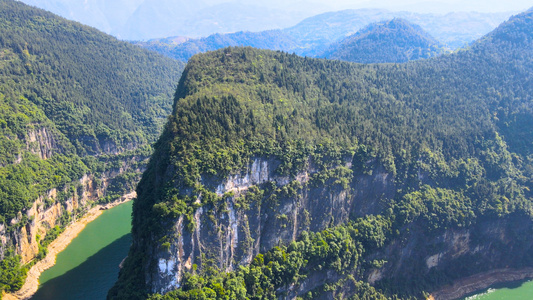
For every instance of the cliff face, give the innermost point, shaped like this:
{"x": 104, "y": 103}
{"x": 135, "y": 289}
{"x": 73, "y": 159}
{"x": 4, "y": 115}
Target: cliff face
{"x": 232, "y": 234}
{"x": 42, "y": 143}
{"x": 59, "y": 206}
{"x": 455, "y": 253}
{"x": 235, "y": 231}
{"x": 413, "y": 162}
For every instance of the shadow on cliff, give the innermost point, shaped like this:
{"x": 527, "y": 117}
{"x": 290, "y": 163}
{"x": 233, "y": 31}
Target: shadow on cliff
{"x": 90, "y": 280}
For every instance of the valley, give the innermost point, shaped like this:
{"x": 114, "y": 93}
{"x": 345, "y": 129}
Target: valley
{"x": 397, "y": 165}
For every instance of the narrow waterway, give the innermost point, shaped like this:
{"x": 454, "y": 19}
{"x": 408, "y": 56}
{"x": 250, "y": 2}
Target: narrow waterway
{"x": 89, "y": 266}
{"x": 510, "y": 291}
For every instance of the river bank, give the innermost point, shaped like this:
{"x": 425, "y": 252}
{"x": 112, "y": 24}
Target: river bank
{"x": 468, "y": 285}
{"x": 32, "y": 281}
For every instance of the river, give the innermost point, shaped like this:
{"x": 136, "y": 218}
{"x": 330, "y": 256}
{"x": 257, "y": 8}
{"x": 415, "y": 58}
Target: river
{"x": 509, "y": 291}
{"x": 88, "y": 267}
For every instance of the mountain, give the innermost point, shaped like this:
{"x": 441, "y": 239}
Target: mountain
{"x": 107, "y": 16}
{"x": 285, "y": 176}
{"x": 271, "y": 39}
{"x": 394, "y": 41}
{"x": 314, "y": 35}
{"x": 157, "y": 18}
{"x": 148, "y": 19}
{"x": 79, "y": 112}
{"x": 454, "y": 30}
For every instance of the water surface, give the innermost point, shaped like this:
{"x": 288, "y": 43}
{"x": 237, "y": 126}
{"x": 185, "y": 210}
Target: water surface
{"x": 510, "y": 291}
{"x": 88, "y": 267}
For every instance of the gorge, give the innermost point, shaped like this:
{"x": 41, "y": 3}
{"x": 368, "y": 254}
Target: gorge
{"x": 275, "y": 176}
{"x": 282, "y": 176}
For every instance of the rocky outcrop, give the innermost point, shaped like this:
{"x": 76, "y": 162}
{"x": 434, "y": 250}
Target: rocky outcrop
{"x": 3, "y": 240}
{"x": 233, "y": 233}
{"x": 71, "y": 201}
{"x": 32, "y": 225}
{"x": 44, "y": 216}
{"x": 479, "y": 282}
{"x": 42, "y": 142}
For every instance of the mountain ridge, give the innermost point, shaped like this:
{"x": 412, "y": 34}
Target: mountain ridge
{"x": 78, "y": 113}
{"x": 312, "y": 36}
{"x": 280, "y": 175}
{"x": 394, "y": 41}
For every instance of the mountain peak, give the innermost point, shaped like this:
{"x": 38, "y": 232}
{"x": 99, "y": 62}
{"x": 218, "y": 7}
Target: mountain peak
{"x": 392, "y": 41}
{"x": 515, "y": 32}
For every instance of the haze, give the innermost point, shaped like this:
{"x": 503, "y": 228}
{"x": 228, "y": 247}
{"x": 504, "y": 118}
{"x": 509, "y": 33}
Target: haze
{"x": 148, "y": 19}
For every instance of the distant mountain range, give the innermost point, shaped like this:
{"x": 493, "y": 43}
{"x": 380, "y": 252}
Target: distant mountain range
{"x": 314, "y": 35}
{"x": 395, "y": 41}
{"x": 146, "y": 19}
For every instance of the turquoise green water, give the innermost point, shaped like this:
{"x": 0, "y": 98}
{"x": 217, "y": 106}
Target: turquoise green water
{"x": 514, "y": 291}
{"x": 88, "y": 267}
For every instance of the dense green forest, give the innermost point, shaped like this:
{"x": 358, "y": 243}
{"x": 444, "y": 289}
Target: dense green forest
{"x": 394, "y": 41}
{"x": 454, "y": 132}
{"x": 73, "y": 101}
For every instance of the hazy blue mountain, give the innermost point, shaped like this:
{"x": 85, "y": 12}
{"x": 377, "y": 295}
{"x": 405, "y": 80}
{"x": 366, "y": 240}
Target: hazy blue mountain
{"x": 392, "y": 41}
{"x": 454, "y": 29}
{"x": 108, "y": 16}
{"x": 148, "y": 19}
{"x": 184, "y": 49}
{"x": 314, "y": 35}
{"x": 159, "y": 18}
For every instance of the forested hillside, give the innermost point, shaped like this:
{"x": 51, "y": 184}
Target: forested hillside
{"x": 78, "y": 113}
{"x": 394, "y": 41}
{"x": 279, "y": 175}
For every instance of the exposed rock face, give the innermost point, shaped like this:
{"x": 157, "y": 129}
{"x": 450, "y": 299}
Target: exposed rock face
{"x": 46, "y": 212}
{"x": 488, "y": 245}
{"x": 44, "y": 218}
{"x": 232, "y": 234}
{"x": 42, "y": 143}
{"x": 488, "y": 249}
{"x": 32, "y": 225}
{"x": 3, "y": 240}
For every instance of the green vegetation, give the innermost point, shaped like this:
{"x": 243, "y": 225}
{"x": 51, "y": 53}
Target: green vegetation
{"x": 393, "y": 41}
{"x": 444, "y": 128}
{"x": 12, "y": 274}
{"x": 73, "y": 102}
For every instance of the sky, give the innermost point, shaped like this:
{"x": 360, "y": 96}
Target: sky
{"x": 146, "y": 19}
{"x": 442, "y": 6}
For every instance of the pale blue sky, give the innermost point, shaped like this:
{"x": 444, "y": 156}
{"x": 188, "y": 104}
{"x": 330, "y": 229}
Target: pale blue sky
{"x": 442, "y": 6}
{"x": 146, "y": 19}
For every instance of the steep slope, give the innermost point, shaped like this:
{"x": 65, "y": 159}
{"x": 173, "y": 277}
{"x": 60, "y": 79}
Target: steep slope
{"x": 278, "y": 175}
{"x": 394, "y": 41}
{"x": 79, "y": 111}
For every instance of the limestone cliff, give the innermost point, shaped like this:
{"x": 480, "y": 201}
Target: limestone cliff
{"x": 61, "y": 205}
{"x": 420, "y": 168}
{"x": 232, "y": 233}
